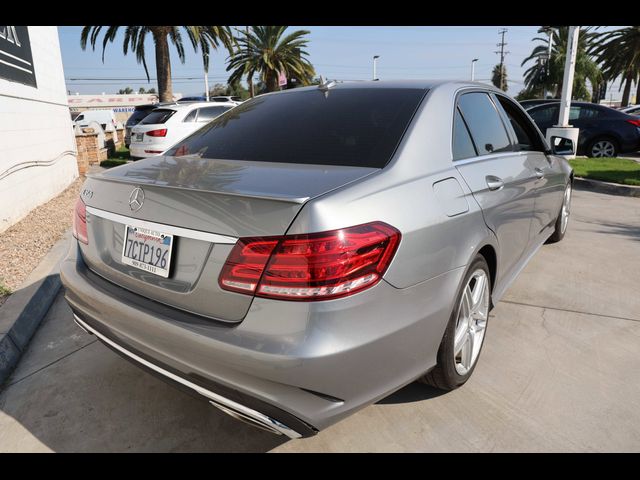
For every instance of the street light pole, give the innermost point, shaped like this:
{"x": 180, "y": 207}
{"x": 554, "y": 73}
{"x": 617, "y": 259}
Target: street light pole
{"x": 567, "y": 81}
{"x": 206, "y": 80}
{"x": 562, "y": 129}
{"x": 548, "y": 65}
{"x": 473, "y": 69}
{"x": 375, "y": 62}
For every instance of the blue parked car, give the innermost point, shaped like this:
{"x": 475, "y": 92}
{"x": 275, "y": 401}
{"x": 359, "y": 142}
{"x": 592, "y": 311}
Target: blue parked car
{"x": 604, "y": 132}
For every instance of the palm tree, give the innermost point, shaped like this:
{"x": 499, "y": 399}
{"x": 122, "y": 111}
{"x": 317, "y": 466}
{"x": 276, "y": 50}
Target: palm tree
{"x": 205, "y": 38}
{"x": 547, "y": 74}
{"x": 618, "y": 52}
{"x": 264, "y": 50}
{"x": 498, "y": 80}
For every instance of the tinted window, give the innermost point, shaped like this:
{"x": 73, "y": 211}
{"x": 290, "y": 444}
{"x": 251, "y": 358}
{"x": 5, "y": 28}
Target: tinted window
{"x": 462, "y": 143}
{"x": 582, "y": 113}
{"x": 191, "y": 117}
{"x": 159, "y": 115}
{"x": 487, "y": 130}
{"x": 545, "y": 115}
{"x": 137, "y": 115}
{"x": 345, "y": 126}
{"x": 526, "y": 135}
{"x": 209, "y": 113}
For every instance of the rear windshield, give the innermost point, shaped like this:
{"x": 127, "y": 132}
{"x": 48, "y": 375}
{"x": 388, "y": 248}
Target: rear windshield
{"x": 159, "y": 115}
{"x": 351, "y": 127}
{"x": 138, "y": 115}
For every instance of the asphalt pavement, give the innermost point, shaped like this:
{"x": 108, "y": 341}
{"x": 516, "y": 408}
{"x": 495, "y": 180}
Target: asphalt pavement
{"x": 559, "y": 371}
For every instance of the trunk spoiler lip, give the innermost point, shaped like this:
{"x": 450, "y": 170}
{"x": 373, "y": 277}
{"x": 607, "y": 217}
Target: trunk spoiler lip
{"x": 295, "y": 199}
{"x": 251, "y": 194}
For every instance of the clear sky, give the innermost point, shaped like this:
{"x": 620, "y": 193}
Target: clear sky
{"x": 343, "y": 53}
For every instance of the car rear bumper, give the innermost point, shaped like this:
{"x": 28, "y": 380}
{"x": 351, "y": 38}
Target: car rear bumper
{"x": 292, "y": 367}
{"x": 141, "y": 150}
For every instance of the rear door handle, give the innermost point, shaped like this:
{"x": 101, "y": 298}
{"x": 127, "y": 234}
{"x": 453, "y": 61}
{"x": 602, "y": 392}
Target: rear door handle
{"x": 493, "y": 182}
{"x": 539, "y": 173}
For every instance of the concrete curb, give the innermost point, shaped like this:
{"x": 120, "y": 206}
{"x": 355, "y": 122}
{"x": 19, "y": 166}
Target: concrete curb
{"x": 606, "y": 187}
{"x": 24, "y": 310}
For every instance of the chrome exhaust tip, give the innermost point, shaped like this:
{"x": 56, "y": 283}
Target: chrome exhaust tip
{"x": 246, "y": 419}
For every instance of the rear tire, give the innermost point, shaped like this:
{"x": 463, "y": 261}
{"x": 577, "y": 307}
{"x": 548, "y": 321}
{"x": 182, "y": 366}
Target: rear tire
{"x": 602, "y": 147}
{"x": 464, "y": 336}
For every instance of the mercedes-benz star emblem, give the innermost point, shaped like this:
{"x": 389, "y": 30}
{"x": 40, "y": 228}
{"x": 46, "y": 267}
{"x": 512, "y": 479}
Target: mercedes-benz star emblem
{"x": 136, "y": 199}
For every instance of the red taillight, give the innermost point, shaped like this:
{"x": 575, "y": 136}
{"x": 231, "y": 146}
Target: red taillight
{"x": 317, "y": 266}
{"x": 162, "y": 132}
{"x": 635, "y": 122}
{"x": 80, "y": 222}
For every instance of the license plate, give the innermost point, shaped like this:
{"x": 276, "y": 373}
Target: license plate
{"x": 147, "y": 250}
{"x": 139, "y": 136}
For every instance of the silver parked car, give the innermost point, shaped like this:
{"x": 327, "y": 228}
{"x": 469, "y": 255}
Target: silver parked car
{"x": 311, "y": 251}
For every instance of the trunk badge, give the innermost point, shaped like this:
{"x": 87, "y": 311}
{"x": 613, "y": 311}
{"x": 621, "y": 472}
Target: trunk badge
{"x": 136, "y": 199}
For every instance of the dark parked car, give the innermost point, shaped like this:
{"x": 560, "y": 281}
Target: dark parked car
{"x": 604, "y": 132}
{"x": 526, "y": 104}
{"x": 138, "y": 114}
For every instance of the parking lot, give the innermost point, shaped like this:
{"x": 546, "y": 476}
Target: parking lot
{"x": 559, "y": 372}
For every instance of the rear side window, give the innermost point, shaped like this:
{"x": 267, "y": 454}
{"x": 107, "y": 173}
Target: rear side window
{"x": 207, "y": 114}
{"x": 159, "y": 115}
{"x": 582, "y": 113}
{"x": 347, "y": 126}
{"x": 545, "y": 115}
{"x": 462, "y": 143}
{"x": 486, "y": 128}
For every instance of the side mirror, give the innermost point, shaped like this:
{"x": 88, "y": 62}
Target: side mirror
{"x": 562, "y": 146}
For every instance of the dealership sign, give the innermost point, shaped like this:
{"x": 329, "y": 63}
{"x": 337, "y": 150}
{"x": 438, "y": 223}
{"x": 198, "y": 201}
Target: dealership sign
{"x": 16, "y": 62}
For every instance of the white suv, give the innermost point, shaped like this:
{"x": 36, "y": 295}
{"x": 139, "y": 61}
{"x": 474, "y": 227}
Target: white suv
{"x": 166, "y": 126}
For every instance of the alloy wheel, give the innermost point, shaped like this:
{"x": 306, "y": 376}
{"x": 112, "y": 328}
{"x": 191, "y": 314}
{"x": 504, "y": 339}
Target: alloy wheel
{"x": 471, "y": 323}
{"x": 603, "y": 148}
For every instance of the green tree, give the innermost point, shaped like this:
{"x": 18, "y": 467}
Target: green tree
{"x": 142, "y": 91}
{"x": 217, "y": 90}
{"x": 547, "y": 74}
{"x": 125, "y": 91}
{"x": 499, "y": 81}
{"x": 151, "y": 91}
{"x": 202, "y": 37}
{"x": 268, "y": 52}
{"x": 618, "y": 53}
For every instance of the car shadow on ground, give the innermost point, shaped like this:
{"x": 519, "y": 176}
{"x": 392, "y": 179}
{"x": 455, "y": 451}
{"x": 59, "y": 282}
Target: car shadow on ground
{"x": 414, "y": 392}
{"x": 105, "y": 413}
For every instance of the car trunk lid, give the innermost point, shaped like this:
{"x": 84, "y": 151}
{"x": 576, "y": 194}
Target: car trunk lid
{"x": 206, "y": 205}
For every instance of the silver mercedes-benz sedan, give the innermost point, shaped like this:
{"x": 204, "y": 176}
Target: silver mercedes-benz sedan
{"x": 311, "y": 251}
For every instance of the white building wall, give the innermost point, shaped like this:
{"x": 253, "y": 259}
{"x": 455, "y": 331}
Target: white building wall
{"x": 37, "y": 146}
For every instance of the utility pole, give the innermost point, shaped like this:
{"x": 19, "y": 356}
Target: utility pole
{"x": 473, "y": 69}
{"x": 502, "y": 53}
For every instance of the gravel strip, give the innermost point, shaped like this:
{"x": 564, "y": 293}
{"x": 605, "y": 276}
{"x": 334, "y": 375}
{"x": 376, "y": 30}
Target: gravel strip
{"x": 24, "y": 244}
